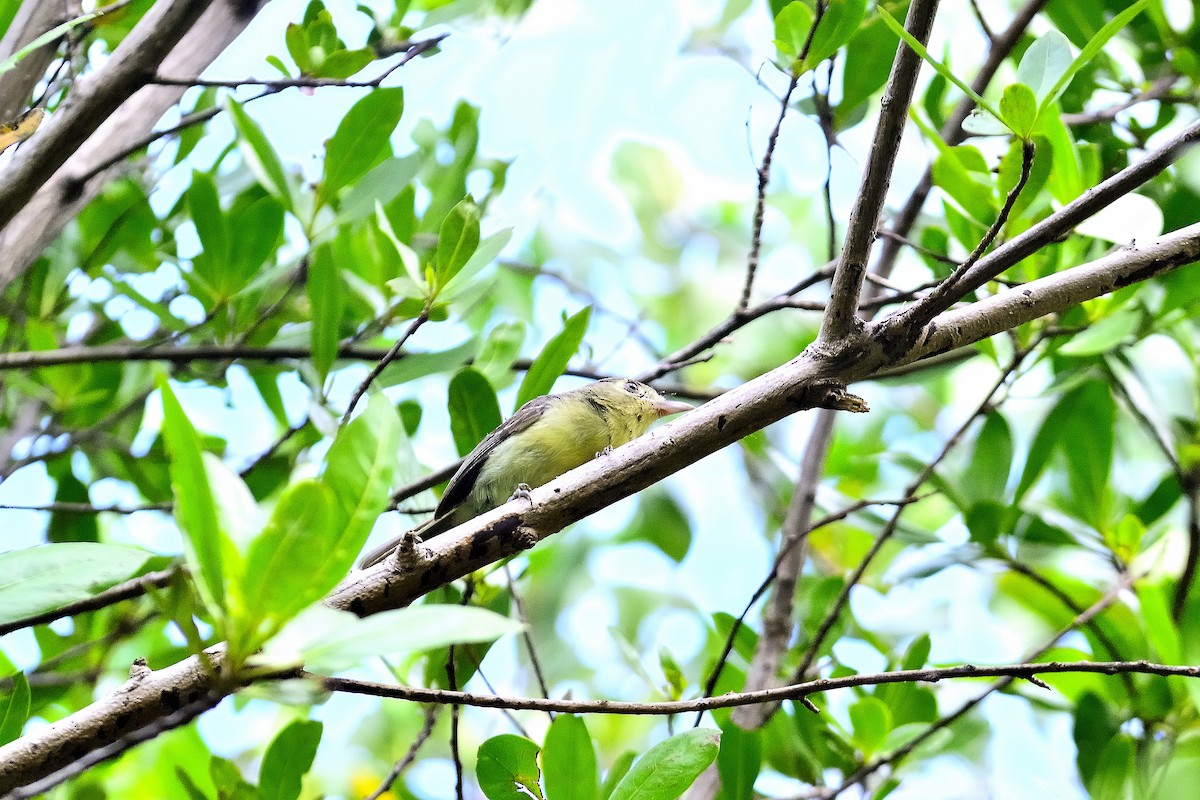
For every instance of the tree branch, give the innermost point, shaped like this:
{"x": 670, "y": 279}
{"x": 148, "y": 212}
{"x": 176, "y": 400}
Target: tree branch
{"x": 94, "y": 98}
{"x": 952, "y": 132}
{"x": 59, "y": 195}
{"x": 1051, "y": 228}
{"x": 1052, "y": 293}
{"x": 841, "y": 318}
{"x": 738, "y": 699}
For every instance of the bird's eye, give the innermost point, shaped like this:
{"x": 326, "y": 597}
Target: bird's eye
{"x": 632, "y": 387}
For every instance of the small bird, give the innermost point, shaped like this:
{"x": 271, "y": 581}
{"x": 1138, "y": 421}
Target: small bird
{"x": 546, "y": 437}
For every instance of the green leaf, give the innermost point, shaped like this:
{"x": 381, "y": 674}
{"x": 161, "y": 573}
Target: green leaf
{"x": 986, "y": 475}
{"x": 458, "y": 239}
{"x": 739, "y": 761}
{"x": 938, "y": 66}
{"x": 1116, "y": 329}
{"x": 1094, "y": 726}
{"x": 474, "y": 410}
{"x": 380, "y": 185}
{"x": 325, "y": 296}
{"x": 506, "y": 768}
{"x": 1087, "y": 439}
{"x": 195, "y": 511}
{"x": 618, "y": 770}
{"x": 670, "y": 767}
{"x": 255, "y": 236}
{"x": 661, "y": 522}
{"x": 1044, "y": 63}
{"x": 499, "y": 351}
{"x": 953, "y": 174}
{"x": 792, "y": 24}
{"x": 411, "y": 366}
{"x": 287, "y": 566}
{"x": 1156, "y": 616}
{"x": 288, "y": 758}
{"x": 39, "y": 579}
{"x": 297, "y": 46}
{"x": 487, "y": 251}
{"x": 1066, "y": 172}
{"x": 14, "y": 709}
{"x": 326, "y": 640}
{"x": 67, "y": 527}
{"x": 1115, "y": 770}
{"x": 362, "y": 138}
{"x": 553, "y": 359}
{"x": 341, "y": 64}
{"x": 839, "y": 23}
{"x": 260, "y": 154}
{"x": 871, "y": 721}
{"x": 57, "y": 32}
{"x": 569, "y": 760}
{"x": 359, "y": 469}
{"x": 211, "y": 227}
{"x": 1093, "y": 47}
{"x": 1009, "y": 174}
{"x": 1019, "y": 108}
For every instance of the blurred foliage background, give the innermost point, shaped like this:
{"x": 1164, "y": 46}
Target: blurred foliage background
{"x": 564, "y": 188}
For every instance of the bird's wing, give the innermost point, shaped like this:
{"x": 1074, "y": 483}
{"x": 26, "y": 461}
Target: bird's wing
{"x": 460, "y": 486}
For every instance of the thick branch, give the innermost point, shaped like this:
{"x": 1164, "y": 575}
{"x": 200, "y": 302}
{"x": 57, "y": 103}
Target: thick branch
{"x": 840, "y": 317}
{"x": 1054, "y": 293}
{"x": 1051, "y": 228}
{"x": 952, "y": 132}
{"x": 94, "y": 98}
{"x": 55, "y": 197}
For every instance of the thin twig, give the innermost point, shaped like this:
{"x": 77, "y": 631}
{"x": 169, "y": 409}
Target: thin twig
{"x": 841, "y": 318}
{"x": 934, "y": 302}
{"x": 952, "y": 132}
{"x": 831, "y": 617}
{"x": 304, "y": 82}
{"x": 902, "y": 752}
{"x": 404, "y": 763}
{"x": 1023, "y": 670}
{"x": 85, "y": 508}
{"x": 760, "y": 202}
{"x": 534, "y": 661}
{"x": 134, "y": 587}
{"x": 710, "y": 683}
{"x": 388, "y": 358}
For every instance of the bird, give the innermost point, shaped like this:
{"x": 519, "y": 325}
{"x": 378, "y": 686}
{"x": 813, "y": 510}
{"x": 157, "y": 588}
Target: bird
{"x": 546, "y": 437}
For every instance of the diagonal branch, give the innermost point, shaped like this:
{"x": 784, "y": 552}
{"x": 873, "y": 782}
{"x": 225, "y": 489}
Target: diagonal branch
{"x": 841, "y": 316}
{"x": 1050, "y": 229}
{"x": 94, "y": 98}
{"x": 58, "y": 196}
{"x": 952, "y": 132}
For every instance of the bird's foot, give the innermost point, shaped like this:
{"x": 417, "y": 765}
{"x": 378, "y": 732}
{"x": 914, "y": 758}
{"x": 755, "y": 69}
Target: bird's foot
{"x": 608, "y": 449}
{"x": 522, "y": 493}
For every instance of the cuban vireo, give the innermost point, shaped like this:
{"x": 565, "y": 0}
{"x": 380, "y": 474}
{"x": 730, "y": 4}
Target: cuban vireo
{"x": 546, "y": 437}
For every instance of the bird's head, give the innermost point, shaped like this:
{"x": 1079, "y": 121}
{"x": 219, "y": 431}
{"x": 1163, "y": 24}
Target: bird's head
{"x": 631, "y": 406}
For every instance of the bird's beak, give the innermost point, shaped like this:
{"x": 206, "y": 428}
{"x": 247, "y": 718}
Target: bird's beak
{"x": 666, "y": 407}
